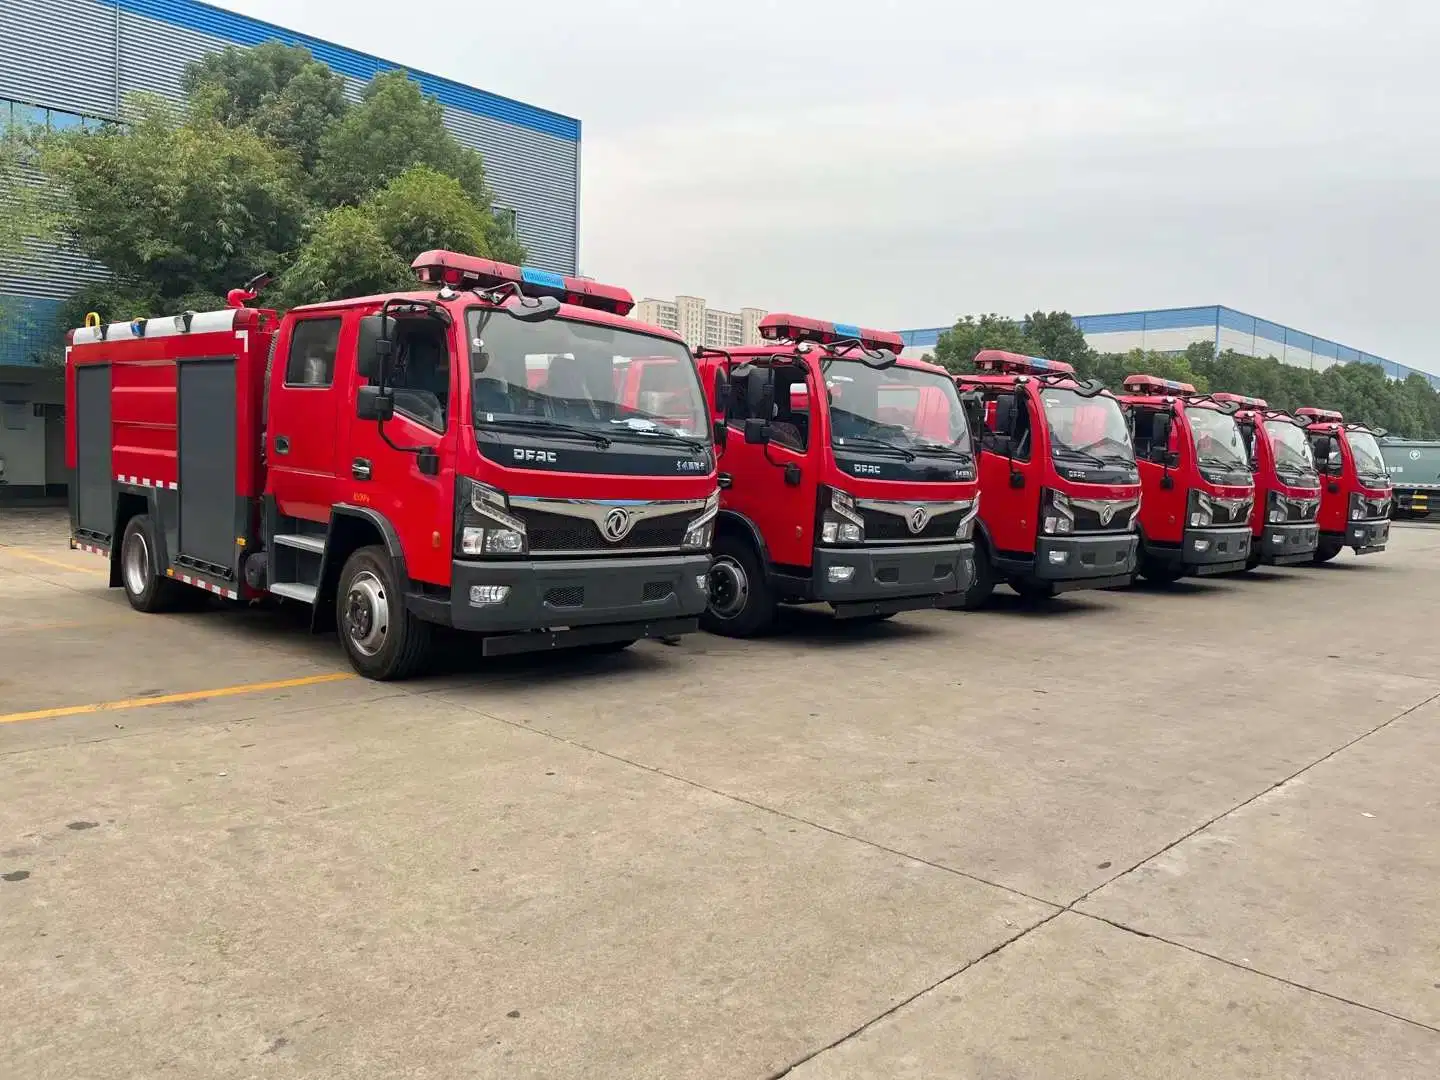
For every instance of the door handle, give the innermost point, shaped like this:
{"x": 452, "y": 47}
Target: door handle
{"x": 360, "y": 468}
{"x": 282, "y": 444}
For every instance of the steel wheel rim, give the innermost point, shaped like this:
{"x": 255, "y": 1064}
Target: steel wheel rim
{"x": 136, "y": 563}
{"x": 729, "y": 587}
{"x": 367, "y": 613}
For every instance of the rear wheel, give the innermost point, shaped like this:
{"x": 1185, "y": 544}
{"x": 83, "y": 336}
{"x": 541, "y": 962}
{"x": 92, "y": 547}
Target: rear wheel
{"x": 741, "y": 601}
{"x": 381, "y": 638}
{"x": 145, "y": 587}
{"x": 1327, "y": 551}
{"x": 984, "y": 583}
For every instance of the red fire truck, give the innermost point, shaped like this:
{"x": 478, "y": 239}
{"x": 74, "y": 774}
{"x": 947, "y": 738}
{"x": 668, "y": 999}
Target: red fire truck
{"x": 1283, "y": 529}
{"x": 1058, "y": 473}
{"x": 849, "y": 477}
{"x": 466, "y": 455}
{"x": 1195, "y": 518}
{"x": 1356, "y": 490}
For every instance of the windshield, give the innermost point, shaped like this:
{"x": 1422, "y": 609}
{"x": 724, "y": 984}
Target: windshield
{"x": 1290, "y": 447}
{"x": 1217, "y": 439}
{"x": 903, "y": 406}
{"x": 613, "y": 381}
{"x": 1085, "y": 426}
{"x": 1366, "y": 451}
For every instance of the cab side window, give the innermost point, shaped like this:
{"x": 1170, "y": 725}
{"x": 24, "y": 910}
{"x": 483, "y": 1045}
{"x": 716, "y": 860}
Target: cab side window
{"x": 788, "y": 410}
{"x": 1009, "y": 432}
{"x": 420, "y": 371}
{"x": 311, "y": 362}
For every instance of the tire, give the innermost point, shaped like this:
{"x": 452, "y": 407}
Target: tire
{"x": 1327, "y": 551}
{"x": 145, "y": 587}
{"x": 742, "y": 604}
{"x": 984, "y": 584}
{"x": 1034, "y": 591}
{"x": 381, "y": 638}
{"x": 1160, "y": 573}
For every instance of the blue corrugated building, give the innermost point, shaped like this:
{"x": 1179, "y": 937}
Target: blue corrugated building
{"x": 72, "y": 64}
{"x": 1170, "y": 330}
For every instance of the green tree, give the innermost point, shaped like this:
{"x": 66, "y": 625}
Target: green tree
{"x": 957, "y": 346}
{"x": 394, "y": 127}
{"x": 1055, "y": 336}
{"x": 422, "y": 209}
{"x": 347, "y": 255}
{"x": 176, "y": 208}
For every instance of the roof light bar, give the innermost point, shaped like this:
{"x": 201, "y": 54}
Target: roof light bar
{"x": 466, "y": 271}
{"x": 1241, "y": 399}
{"x": 1009, "y": 363}
{"x": 1152, "y": 384}
{"x": 782, "y": 327}
{"x": 1320, "y": 416}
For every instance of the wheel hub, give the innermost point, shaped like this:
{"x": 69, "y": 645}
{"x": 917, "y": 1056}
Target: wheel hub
{"x": 136, "y": 563}
{"x": 729, "y": 588}
{"x": 367, "y": 613}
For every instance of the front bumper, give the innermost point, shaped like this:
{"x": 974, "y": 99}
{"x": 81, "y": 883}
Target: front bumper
{"x": 1283, "y": 544}
{"x": 569, "y": 593}
{"x": 1215, "y": 550}
{"x": 1080, "y": 562}
{"x": 890, "y": 579}
{"x": 1367, "y": 536}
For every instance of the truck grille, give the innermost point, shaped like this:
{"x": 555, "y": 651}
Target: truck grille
{"x": 1301, "y": 509}
{"x": 1230, "y": 511}
{"x": 554, "y": 533}
{"x": 881, "y": 527}
{"x": 1090, "y": 514}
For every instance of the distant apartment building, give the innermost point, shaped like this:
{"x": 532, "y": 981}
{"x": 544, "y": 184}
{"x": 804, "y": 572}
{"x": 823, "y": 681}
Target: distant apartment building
{"x": 699, "y": 325}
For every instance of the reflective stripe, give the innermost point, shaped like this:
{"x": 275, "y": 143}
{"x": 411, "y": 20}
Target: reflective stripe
{"x": 140, "y": 481}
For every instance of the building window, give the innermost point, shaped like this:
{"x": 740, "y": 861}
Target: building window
{"x": 23, "y": 114}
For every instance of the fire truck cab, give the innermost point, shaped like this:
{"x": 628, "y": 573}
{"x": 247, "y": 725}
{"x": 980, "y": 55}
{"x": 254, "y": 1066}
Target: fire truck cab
{"x": 1058, "y": 476}
{"x": 1283, "y": 530}
{"x": 1199, "y": 491}
{"x": 1355, "y": 485}
{"x": 468, "y": 455}
{"x": 848, "y": 477}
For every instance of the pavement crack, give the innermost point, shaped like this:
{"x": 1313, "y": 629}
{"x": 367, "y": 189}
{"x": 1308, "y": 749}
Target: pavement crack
{"x": 1257, "y": 971}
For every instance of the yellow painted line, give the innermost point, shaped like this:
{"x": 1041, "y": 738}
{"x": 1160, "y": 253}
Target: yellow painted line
{"x": 171, "y": 699}
{"x": 53, "y": 562}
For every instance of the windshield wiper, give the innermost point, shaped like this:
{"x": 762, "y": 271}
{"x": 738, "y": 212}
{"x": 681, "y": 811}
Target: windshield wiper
{"x": 880, "y": 444}
{"x": 1083, "y": 455}
{"x": 538, "y": 424}
{"x": 941, "y": 450}
{"x": 660, "y": 433}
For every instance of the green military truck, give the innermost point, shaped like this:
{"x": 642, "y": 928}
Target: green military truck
{"x": 1414, "y": 469}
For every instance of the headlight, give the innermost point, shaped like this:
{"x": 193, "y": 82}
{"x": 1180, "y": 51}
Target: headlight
{"x": 701, "y": 531}
{"x": 1277, "y": 508}
{"x": 966, "y": 528}
{"x": 1357, "y": 506}
{"x": 486, "y": 526}
{"x": 1056, "y": 515}
{"x": 1202, "y": 512}
{"x": 840, "y": 522}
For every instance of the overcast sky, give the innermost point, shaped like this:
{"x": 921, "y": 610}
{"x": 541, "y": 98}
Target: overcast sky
{"x": 900, "y": 164}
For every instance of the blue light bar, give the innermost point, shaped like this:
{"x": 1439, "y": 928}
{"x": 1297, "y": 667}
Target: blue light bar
{"x": 534, "y": 276}
{"x": 846, "y": 330}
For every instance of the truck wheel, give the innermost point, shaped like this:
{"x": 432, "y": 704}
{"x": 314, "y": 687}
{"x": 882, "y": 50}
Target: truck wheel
{"x": 984, "y": 583}
{"x": 382, "y": 639}
{"x": 145, "y": 587}
{"x": 741, "y": 602}
{"x": 1327, "y": 551}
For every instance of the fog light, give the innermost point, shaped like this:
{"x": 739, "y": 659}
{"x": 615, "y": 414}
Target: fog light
{"x": 1280, "y": 540}
{"x": 480, "y": 595}
{"x": 838, "y": 575}
{"x": 1058, "y": 558}
{"x": 1202, "y": 545}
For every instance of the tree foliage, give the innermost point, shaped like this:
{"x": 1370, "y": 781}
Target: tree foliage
{"x": 1361, "y": 391}
{"x": 268, "y": 167}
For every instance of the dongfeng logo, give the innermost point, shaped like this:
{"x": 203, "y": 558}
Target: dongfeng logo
{"x": 1107, "y": 513}
{"x": 1414, "y": 455}
{"x": 918, "y": 519}
{"x": 867, "y": 470}
{"x": 617, "y": 525}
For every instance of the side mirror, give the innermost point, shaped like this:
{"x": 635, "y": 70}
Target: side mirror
{"x": 722, "y": 392}
{"x": 721, "y": 433}
{"x": 974, "y": 406}
{"x": 371, "y": 403}
{"x": 1160, "y": 430}
{"x": 757, "y": 431}
{"x": 367, "y": 359}
{"x": 534, "y": 308}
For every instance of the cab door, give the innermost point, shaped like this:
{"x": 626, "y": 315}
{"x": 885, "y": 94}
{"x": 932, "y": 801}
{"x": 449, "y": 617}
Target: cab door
{"x": 305, "y": 401}
{"x": 413, "y": 491}
{"x": 1011, "y": 499}
{"x": 773, "y": 483}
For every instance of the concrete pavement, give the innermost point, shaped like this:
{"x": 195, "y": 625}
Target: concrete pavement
{"x": 1160, "y": 832}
